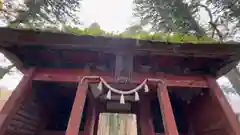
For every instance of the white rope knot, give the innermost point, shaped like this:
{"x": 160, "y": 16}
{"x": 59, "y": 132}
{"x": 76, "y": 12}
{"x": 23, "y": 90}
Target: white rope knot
{"x": 134, "y": 91}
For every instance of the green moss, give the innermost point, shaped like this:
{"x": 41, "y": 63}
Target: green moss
{"x": 165, "y": 37}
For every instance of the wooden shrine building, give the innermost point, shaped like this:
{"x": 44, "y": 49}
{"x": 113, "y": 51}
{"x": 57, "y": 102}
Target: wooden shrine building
{"x": 69, "y": 80}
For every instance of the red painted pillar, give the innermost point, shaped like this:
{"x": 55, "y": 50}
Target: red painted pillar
{"x": 170, "y": 126}
{"x": 217, "y": 93}
{"x": 146, "y": 123}
{"x": 77, "y": 109}
{"x": 15, "y": 100}
{"x": 97, "y": 115}
{"x": 91, "y": 119}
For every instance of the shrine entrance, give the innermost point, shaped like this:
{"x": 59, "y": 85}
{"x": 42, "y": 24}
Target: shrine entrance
{"x": 189, "y": 106}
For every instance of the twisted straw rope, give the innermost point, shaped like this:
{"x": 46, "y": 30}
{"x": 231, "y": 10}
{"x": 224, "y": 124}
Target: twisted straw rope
{"x": 120, "y": 91}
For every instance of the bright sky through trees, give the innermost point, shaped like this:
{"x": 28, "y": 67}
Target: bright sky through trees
{"x": 111, "y": 15}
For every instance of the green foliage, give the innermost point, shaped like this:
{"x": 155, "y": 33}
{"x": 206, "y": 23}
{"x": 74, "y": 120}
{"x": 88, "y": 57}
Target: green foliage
{"x": 227, "y": 14}
{"x": 190, "y": 38}
{"x": 174, "y": 37}
{"x": 41, "y": 12}
{"x": 181, "y": 16}
{"x": 168, "y": 15}
{"x": 229, "y": 9}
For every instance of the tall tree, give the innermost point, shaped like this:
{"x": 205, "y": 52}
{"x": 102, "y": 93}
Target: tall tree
{"x": 227, "y": 15}
{"x": 184, "y": 16}
{"x": 39, "y": 12}
{"x": 169, "y": 15}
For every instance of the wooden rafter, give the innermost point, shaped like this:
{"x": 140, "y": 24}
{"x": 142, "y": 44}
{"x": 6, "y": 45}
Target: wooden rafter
{"x": 170, "y": 126}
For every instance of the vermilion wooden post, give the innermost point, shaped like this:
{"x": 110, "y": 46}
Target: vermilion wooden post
{"x": 97, "y": 115}
{"x": 146, "y": 123}
{"x": 16, "y": 99}
{"x": 170, "y": 126}
{"x": 91, "y": 119}
{"x": 77, "y": 109}
{"x": 225, "y": 106}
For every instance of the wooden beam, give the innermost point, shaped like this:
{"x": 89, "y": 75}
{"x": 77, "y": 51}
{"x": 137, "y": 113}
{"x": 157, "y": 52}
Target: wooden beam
{"x": 138, "y": 123}
{"x": 91, "y": 118}
{"x": 97, "y": 115}
{"x": 170, "y": 126}
{"x": 174, "y": 80}
{"x": 16, "y": 99}
{"x": 93, "y": 121}
{"x": 145, "y": 119}
{"x": 67, "y": 75}
{"x": 77, "y": 109}
{"x": 217, "y": 93}
{"x": 74, "y": 75}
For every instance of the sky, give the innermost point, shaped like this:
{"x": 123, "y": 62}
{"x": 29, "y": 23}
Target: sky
{"x": 9, "y": 81}
{"x": 114, "y": 15}
{"x": 111, "y": 15}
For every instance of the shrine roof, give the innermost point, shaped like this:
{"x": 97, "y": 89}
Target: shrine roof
{"x": 18, "y": 44}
